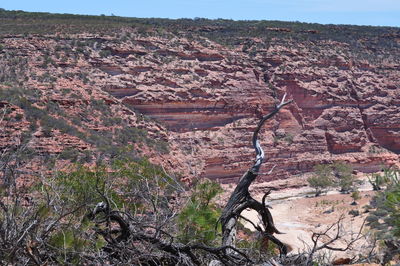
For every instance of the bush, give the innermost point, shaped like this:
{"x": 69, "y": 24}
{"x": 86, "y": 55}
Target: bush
{"x": 198, "y": 219}
{"x": 355, "y": 196}
{"x": 47, "y": 131}
{"x": 51, "y": 224}
{"x": 61, "y": 124}
{"x": 384, "y": 214}
{"x": 378, "y": 180}
{"x": 105, "y": 53}
{"x": 69, "y": 154}
{"x": 321, "y": 179}
{"x": 131, "y": 135}
{"x": 344, "y": 173}
{"x": 128, "y": 135}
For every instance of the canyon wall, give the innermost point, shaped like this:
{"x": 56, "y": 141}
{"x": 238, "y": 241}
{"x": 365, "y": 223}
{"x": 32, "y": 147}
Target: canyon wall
{"x": 206, "y": 98}
{"x": 210, "y": 98}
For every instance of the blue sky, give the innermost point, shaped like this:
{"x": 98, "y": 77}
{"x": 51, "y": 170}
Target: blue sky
{"x": 358, "y": 12}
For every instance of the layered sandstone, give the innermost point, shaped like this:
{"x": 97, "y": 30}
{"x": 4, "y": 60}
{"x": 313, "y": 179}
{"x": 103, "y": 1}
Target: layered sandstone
{"x": 208, "y": 99}
{"x": 344, "y": 108}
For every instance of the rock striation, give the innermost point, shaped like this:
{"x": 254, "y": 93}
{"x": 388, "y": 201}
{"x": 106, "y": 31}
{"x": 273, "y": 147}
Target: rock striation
{"x": 344, "y": 108}
{"x": 206, "y": 99}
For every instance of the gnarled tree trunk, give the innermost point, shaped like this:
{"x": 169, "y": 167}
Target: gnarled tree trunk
{"x": 241, "y": 199}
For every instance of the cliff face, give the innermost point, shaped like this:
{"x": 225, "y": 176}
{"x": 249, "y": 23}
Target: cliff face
{"x": 52, "y": 115}
{"x": 208, "y": 98}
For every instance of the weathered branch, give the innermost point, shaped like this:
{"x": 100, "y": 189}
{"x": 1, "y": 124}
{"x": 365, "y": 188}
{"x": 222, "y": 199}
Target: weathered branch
{"x": 256, "y": 143}
{"x": 175, "y": 250}
{"x": 329, "y": 244}
{"x": 240, "y": 198}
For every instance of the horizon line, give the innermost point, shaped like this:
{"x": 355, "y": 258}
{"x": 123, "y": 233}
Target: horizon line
{"x": 198, "y": 18}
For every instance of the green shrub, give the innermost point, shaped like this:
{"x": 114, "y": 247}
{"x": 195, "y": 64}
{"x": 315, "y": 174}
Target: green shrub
{"x": 23, "y": 98}
{"x": 287, "y": 137}
{"x": 60, "y": 124}
{"x": 131, "y": 135}
{"x": 355, "y": 196}
{"x": 137, "y": 135}
{"x": 111, "y": 121}
{"x": 198, "y": 219}
{"x": 54, "y": 108}
{"x": 86, "y": 157}
{"x": 258, "y": 245}
{"x": 69, "y": 243}
{"x": 85, "y": 185}
{"x": 321, "y": 179}
{"x": 101, "y": 106}
{"x": 19, "y": 117}
{"x": 105, "y": 53}
{"x": 378, "y": 180}
{"x": 47, "y": 131}
{"x": 344, "y": 173}
{"x": 69, "y": 154}
{"x": 385, "y": 217}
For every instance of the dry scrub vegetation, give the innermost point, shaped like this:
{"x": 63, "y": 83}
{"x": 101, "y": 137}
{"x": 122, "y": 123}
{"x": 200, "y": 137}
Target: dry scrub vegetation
{"x": 133, "y": 212}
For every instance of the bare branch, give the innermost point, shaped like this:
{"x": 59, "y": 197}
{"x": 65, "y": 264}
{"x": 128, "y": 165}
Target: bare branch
{"x": 240, "y": 198}
{"x": 338, "y": 234}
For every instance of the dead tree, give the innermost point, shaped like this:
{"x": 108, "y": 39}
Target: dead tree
{"x": 241, "y": 199}
{"x": 327, "y": 240}
{"x": 124, "y": 237}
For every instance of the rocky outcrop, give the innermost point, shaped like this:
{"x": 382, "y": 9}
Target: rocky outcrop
{"x": 209, "y": 98}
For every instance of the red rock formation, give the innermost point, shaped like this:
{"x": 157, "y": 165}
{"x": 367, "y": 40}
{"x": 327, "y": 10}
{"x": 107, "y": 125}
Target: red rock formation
{"x": 210, "y": 97}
